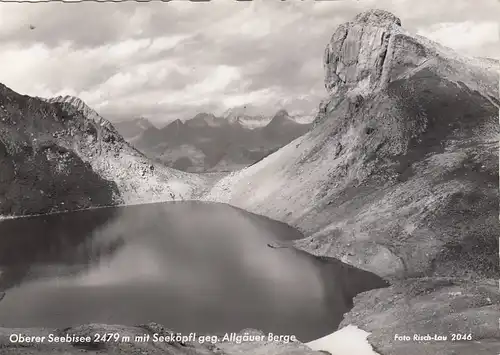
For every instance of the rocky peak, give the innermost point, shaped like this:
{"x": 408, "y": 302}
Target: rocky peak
{"x": 202, "y": 117}
{"x": 83, "y": 108}
{"x": 282, "y": 113}
{"x": 376, "y": 17}
{"x": 75, "y": 101}
{"x": 281, "y": 116}
{"x": 174, "y": 125}
{"x": 143, "y": 122}
{"x": 368, "y": 53}
{"x": 205, "y": 120}
{"x": 177, "y": 122}
{"x": 283, "y": 123}
{"x": 236, "y": 112}
{"x": 246, "y": 117}
{"x": 357, "y": 52}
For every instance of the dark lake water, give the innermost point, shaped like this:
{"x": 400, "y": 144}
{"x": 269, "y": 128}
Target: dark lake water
{"x": 191, "y": 266}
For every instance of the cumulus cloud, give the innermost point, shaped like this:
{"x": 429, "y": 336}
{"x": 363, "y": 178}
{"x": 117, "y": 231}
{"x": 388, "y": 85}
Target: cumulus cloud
{"x": 467, "y": 36}
{"x": 172, "y": 60}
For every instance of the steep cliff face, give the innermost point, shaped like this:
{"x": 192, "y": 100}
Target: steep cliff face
{"x": 373, "y": 50}
{"x": 59, "y": 154}
{"x": 358, "y": 50}
{"x": 399, "y": 176}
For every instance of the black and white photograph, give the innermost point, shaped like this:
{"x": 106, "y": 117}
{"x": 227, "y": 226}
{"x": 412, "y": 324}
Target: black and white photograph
{"x": 257, "y": 177}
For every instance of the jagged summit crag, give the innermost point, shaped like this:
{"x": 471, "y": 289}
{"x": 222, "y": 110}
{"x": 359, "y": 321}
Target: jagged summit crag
{"x": 72, "y": 103}
{"x": 357, "y": 51}
{"x": 59, "y": 154}
{"x": 373, "y": 51}
{"x": 399, "y": 176}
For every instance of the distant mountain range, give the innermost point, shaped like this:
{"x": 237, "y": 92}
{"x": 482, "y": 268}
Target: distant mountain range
{"x": 210, "y": 143}
{"x": 133, "y": 128}
{"x": 241, "y": 115}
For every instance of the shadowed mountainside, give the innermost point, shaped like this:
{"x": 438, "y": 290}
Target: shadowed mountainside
{"x": 40, "y": 172}
{"x": 59, "y": 154}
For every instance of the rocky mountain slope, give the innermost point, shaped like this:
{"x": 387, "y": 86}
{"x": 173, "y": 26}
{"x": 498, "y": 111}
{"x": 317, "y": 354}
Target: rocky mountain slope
{"x": 399, "y": 177}
{"x": 59, "y": 154}
{"x": 210, "y": 143}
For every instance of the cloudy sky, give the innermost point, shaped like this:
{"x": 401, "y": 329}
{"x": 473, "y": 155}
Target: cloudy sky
{"x": 172, "y": 60}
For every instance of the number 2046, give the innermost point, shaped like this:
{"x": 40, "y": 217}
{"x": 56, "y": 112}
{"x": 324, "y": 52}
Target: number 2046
{"x": 458, "y": 337}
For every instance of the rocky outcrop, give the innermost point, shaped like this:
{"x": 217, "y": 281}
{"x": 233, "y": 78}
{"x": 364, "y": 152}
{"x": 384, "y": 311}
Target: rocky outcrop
{"x": 459, "y": 316}
{"x": 358, "y": 51}
{"x": 373, "y": 50}
{"x": 399, "y": 176}
{"x": 71, "y": 102}
{"x": 59, "y": 154}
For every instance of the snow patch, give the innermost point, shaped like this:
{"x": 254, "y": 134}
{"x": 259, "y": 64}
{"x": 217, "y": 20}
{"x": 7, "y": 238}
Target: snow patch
{"x": 349, "y": 340}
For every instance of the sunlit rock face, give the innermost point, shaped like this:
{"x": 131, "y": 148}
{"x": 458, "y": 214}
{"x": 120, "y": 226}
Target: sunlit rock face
{"x": 358, "y": 50}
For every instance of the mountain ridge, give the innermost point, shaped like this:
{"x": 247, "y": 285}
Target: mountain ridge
{"x": 210, "y": 143}
{"x": 80, "y": 105}
{"x": 74, "y": 159}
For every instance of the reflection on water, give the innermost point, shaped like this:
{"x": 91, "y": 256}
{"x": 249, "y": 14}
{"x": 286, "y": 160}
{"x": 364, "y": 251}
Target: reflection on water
{"x": 191, "y": 266}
